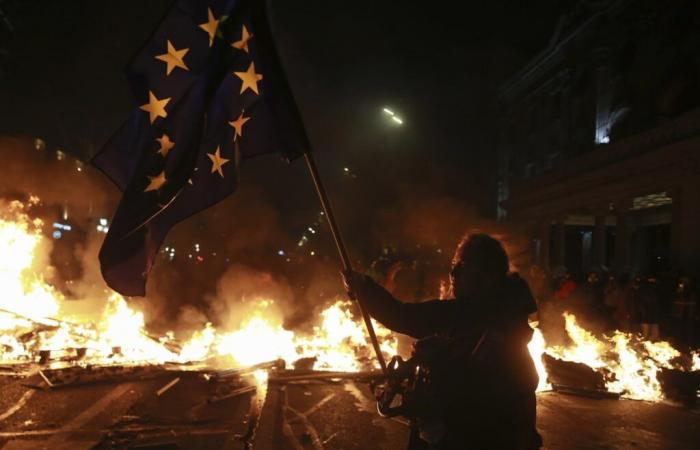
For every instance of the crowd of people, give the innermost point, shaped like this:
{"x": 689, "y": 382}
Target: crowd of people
{"x": 658, "y": 306}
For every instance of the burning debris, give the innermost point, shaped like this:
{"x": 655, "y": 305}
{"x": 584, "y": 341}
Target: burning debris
{"x": 37, "y": 337}
{"x": 32, "y": 333}
{"x": 623, "y": 364}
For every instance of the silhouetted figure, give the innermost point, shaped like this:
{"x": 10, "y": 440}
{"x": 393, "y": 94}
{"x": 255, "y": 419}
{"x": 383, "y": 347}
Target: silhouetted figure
{"x": 614, "y": 298}
{"x": 590, "y": 297}
{"x": 539, "y": 285}
{"x": 488, "y": 394}
{"x": 649, "y": 307}
{"x": 684, "y": 312}
{"x": 564, "y": 288}
{"x": 625, "y": 313}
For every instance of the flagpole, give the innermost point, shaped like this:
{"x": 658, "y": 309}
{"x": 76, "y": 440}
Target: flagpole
{"x": 342, "y": 251}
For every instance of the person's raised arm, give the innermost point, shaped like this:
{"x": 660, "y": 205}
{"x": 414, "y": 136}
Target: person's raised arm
{"x": 414, "y": 319}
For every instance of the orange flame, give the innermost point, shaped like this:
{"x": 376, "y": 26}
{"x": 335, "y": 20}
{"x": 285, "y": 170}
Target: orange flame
{"x": 633, "y": 362}
{"x": 29, "y": 306}
{"x": 31, "y": 319}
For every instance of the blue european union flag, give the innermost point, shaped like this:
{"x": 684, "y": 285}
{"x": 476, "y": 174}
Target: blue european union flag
{"x": 209, "y": 92}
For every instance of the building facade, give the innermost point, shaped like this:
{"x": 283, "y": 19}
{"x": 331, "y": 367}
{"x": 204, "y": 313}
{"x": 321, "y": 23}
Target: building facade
{"x": 6, "y": 27}
{"x": 599, "y": 141}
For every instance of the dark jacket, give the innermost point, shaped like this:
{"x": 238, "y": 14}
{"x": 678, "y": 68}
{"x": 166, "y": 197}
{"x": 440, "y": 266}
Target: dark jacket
{"x": 493, "y": 402}
{"x": 648, "y": 303}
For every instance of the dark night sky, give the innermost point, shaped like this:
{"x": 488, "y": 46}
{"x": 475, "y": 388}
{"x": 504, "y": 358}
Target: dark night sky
{"x": 437, "y": 63}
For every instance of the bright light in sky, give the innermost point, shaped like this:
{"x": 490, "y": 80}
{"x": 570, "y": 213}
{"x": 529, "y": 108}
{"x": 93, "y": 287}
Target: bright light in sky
{"x": 397, "y": 120}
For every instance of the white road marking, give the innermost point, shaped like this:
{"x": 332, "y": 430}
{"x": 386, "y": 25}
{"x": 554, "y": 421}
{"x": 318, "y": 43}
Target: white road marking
{"x": 286, "y": 428}
{"x": 315, "y": 439}
{"x": 169, "y": 430}
{"x": 61, "y": 443}
{"x": 17, "y": 406}
{"x": 362, "y": 403}
{"x": 319, "y": 405}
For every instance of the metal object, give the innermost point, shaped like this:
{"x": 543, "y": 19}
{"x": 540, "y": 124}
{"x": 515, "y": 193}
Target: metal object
{"x": 277, "y": 364}
{"x": 233, "y": 393}
{"x": 347, "y": 265}
{"x": 402, "y": 378}
{"x": 44, "y": 356}
{"x": 291, "y": 376}
{"x": 76, "y": 375}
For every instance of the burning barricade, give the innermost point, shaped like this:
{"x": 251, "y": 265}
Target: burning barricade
{"x": 37, "y": 338}
{"x": 620, "y": 364}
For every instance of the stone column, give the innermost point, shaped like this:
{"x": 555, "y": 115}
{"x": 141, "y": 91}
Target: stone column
{"x": 686, "y": 228}
{"x": 622, "y": 236}
{"x": 559, "y": 243}
{"x": 676, "y": 228}
{"x": 599, "y": 239}
{"x": 544, "y": 261}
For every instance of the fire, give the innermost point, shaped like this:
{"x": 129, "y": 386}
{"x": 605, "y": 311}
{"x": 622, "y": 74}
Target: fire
{"x": 338, "y": 343}
{"x": 32, "y": 320}
{"x": 259, "y": 339}
{"x": 537, "y": 349}
{"x": 632, "y": 362}
{"x": 199, "y": 345}
{"x": 24, "y": 291}
{"x": 586, "y": 348}
{"x": 123, "y": 329}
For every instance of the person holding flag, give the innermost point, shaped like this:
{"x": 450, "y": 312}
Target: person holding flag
{"x": 477, "y": 382}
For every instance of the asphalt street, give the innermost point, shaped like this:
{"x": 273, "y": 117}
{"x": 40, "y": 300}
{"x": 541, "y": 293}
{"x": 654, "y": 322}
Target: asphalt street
{"x": 174, "y": 410}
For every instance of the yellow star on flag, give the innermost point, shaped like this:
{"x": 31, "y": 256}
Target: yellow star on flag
{"x": 249, "y": 79}
{"x": 165, "y": 145}
{"x": 238, "y": 124}
{"x": 217, "y": 162}
{"x": 210, "y": 26}
{"x": 173, "y": 58}
{"x": 155, "y": 107}
{"x": 156, "y": 182}
{"x": 243, "y": 43}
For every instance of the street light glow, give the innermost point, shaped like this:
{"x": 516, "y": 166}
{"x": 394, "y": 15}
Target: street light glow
{"x": 388, "y": 111}
{"x": 397, "y": 120}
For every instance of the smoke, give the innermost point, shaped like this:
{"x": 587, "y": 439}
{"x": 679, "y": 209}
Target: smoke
{"x": 31, "y": 171}
{"x": 88, "y": 294}
{"x": 228, "y": 255}
{"x": 240, "y": 285}
{"x": 222, "y": 255}
{"x": 428, "y": 227}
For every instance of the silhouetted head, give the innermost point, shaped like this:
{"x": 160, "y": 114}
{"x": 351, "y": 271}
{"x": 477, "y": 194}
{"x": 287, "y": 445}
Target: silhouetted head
{"x": 593, "y": 277}
{"x": 480, "y": 264}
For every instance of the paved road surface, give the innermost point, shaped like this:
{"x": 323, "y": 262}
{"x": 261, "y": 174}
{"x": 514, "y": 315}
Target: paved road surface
{"x": 163, "y": 414}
